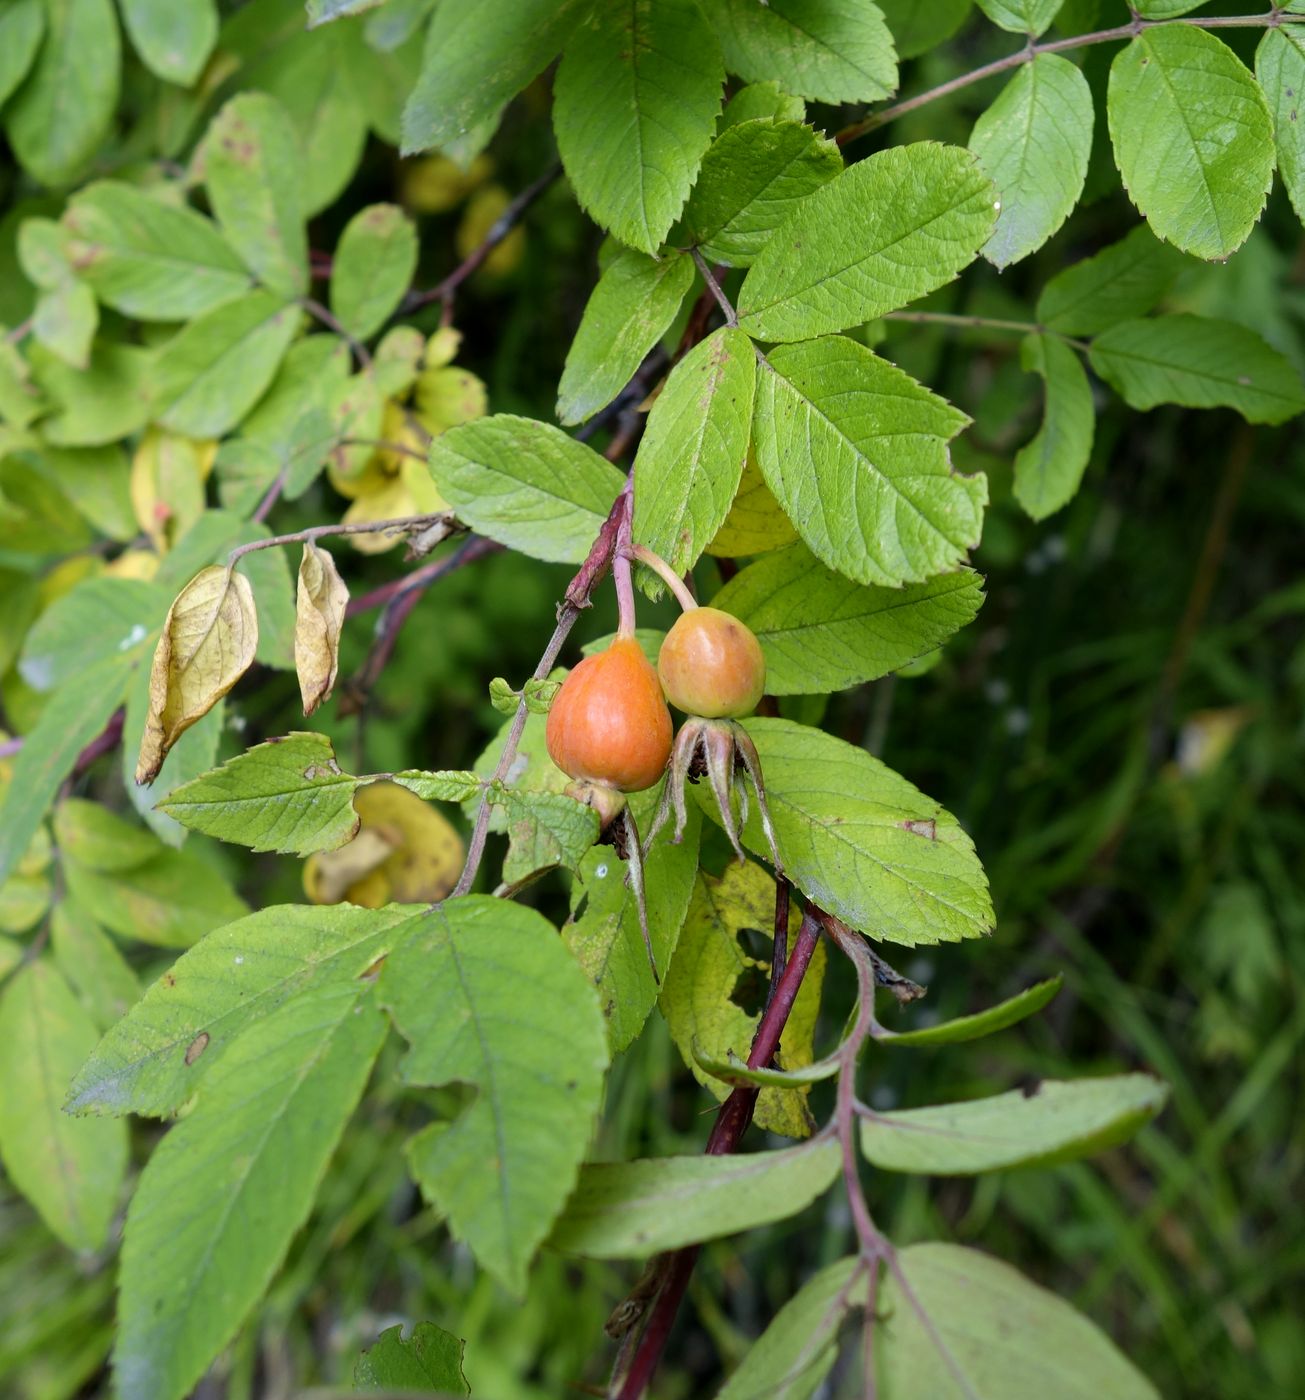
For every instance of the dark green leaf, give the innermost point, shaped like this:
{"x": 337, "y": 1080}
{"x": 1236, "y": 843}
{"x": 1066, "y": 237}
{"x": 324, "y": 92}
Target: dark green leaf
{"x": 1280, "y": 68}
{"x": 22, "y": 27}
{"x": 1021, "y": 16}
{"x": 921, "y": 25}
{"x": 1126, "y": 279}
{"x": 431, "y": 1359}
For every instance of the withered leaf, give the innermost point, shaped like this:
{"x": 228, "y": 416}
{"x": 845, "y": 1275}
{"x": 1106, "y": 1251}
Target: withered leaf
{"x": 319, "y": 616}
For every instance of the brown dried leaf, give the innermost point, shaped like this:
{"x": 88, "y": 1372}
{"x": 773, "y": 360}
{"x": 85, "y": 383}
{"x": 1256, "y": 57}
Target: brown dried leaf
{"x": 319, "y": 616}
{"x": 207, "y": 644}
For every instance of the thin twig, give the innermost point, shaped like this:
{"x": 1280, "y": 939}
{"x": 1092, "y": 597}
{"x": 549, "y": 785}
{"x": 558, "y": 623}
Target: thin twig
{"x": 20, "y": 332}
{"x": 714, "y": 287}
{"x": 403, "y": 524}
{"x": 264, "y": 508}
{"x": 947, "y": 318}
{"x": 384, "y": 445}
{"x": 320, "y": 313}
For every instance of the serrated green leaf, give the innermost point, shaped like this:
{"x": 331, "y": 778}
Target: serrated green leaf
{"x": 173, "y": 37}
{"x": 440, "y": 787}
{"x": 831, "y": 50}
{"x": 624, "y": 1210}
{"x": 634, "y": 107}
{"x": 218, "y": 367}
{"x": 150, "y": 259}
{"x": 634, "y": 303}
{"x": 22, "y": 27}
{"x": 863, "y": 843}
{"x": 545, "y": 829}
{"x": 224, "y": 1193}
{"x": 1053, "y": 1122}
{"x": 1048, "y": 468}
{"x": 525, "y": 484}
{"x": 687, "y": 469}
{"x": 477, "y": 59}
{"x": 431, "y": 1359}
{"x": 603, "y": 932}
{"x": 70, "y": 1171}
{"x": 501, "y": 1170}
{"x": 53, "y": 137}
{"x": 821, "y": 632}
{"x": 102, "y": 404}
{"x": 94, "y": 968}
{"x": 1035, "y": 141}
{"x": 921, "y": 25}
{"x": 1193, "y": 138}
{"x": 855, "y": 451}
{"x": 98, "y": 620}
{"x": 285, "y": 795}
{"x": 1009, "y": 1339}
{"x": 1280, "y": 69}
{"x": 1021, "y": 16}
{"x": 792, "y": 1357}
{"x": 373, "y": 267}
{"x": 253, "y": 170}
{"x": 889, "y": 229}
{"x": 752, "y": 178}
{"x": 1198, "y": 362}
{"x": 1165, "y": 9}
{"x": 996, "y": 1018}
{"x": 1126, "y": 279}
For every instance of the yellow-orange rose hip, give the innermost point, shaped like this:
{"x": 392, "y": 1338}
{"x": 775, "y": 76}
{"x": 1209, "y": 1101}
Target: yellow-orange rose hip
{"x": 711, "y": 664}
{"x": 609, "y": 722}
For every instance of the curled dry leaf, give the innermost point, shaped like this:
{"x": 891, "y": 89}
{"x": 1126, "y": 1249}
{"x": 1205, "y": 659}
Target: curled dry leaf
{"x": 207, "y": 644}
{"x": 319, "y": 616}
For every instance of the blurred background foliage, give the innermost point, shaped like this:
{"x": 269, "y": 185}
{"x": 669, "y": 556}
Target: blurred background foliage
{"x": 1121, "y": 732}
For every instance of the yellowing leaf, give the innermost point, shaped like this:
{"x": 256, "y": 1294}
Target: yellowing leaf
{"x": 483, "y": 211}
{"x": 442, "y": 348}
{"x": 330, "y": 877}
{"x": 167, "y": 484}
{"x": 389, "y": 495}
{"x": 447, "y": 397}
{"x": 319, "y": 615}
{"x": 140, "y": 564}
{"x": 436, "y": 184}
{"x": 207, "y": 644}
{"x": 756, "y": 524}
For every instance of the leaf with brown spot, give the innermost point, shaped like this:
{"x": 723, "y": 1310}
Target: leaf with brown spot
{"x": 197, "y": 1047}
{"x": 319, "y": 616}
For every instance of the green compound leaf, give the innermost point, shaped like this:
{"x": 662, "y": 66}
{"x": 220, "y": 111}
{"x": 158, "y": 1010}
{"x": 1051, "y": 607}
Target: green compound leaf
{"x": 1009, "y": 1339}
{"x": 477, "y": 58}
{"x": 1280, "y": 69}
{"x": 888, "y": 230}
{"x": 525, "y": 484}
{"x": 1053, "y": 1122}
{"x": 855, "y": 451}
{"x": 1021, "y": 16}
{"x": 1193, "y": 138}
{"x": 1198, "y": 362}
{"x": 863, "y": 843}
{"x": 821, "y": 632}
{"x": 1035, "y": 141}
{"x": 253, "y": 169}
{"x": 792, "y": 1357}
{"x": 1126, "y": 279}
{"x": 624, "y": 1210}
{"x": 431, "y": 1359}
{"x": 634, "y": 107}
{"x": 486, "y": 995}
{"x": 1048, "y": 469}
{"x": 752, "y": 179}
{"x": 632, "y": 307}
{"x": 689, "y": 462}
{"x": 285, "y": 795}
{"x": 830, "y": 50}
{"x": 373, "y": 267}
{"x": 173, "y": 37}
{"x": 71, "y": 1172}
{"x": 151, "y": 1062}
{"x": 227, "y": 1189}
{"x": 996, "y": 1018}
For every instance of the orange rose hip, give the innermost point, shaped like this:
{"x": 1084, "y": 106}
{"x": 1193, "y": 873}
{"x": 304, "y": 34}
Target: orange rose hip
{"x": 711, "y": 664}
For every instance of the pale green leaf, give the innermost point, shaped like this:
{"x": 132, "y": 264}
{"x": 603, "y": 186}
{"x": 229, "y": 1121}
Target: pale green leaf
{"x": 253, "y": 170}
{"x": 921, "y": 25}
{"x": 525, "y": 484}
{"x": 1021, "y": 16}
{"x": 856, "y": 453}
{"x": 635, "y": 103}
{"x": 623, "y": 1210}
{"x": 1280, "y": 68}
{"x": 98, "y": 482}
{"x": 194, "y": 753}
{"x": 22, "y": 27}
{"x": 52, "y": 135}
{"x": 1198, "y": 362}
{"x": 1009, "y": 1339}
{"x": 99, "y": 839}
{"x": 11, "y": 955}
{"x": 224, "y": 1193}
{"x": 1054, "y": 1121}
{"x": 237, "y": 976}
{"x": 98, "y": 620}
{"x": 148, "y": 258}
{"x": 477, "y": 59}
{"x": 752, "y": 178}
{"x": 545, "y": 829}
{"x": 70, "y": 1171}
{"x": 103, "y": 404}
{"x": 397, "y": 22}
{"x": 996, "y": 1018}
{"x": 430, "y": 1359}
{"x": 633, "y": 305}
{"x": 486, "y": 995}
{"x": 1193, "y": 138}
{"x": 861, "y": 842}
{"x": 373, "y": 267}
{"x": 173, "y": 37}
{"x": 1048, "y": 468}
{"x": 218, "y": 367}
{"x": 889, "y": 229}
{"x": 821, "y": 632}
{"x": 1035, "y": 141}
{"x": 687, "y": 469}
{"x": 452, "y": 786}
{"x": 20, "y": 400}
{"x": 323, "y": 11}
{"x": 65, "y": 321}
{"x": 831, "y": 50}
{"x": 1126, "y": 279}
{"x": 94, "y": 968}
